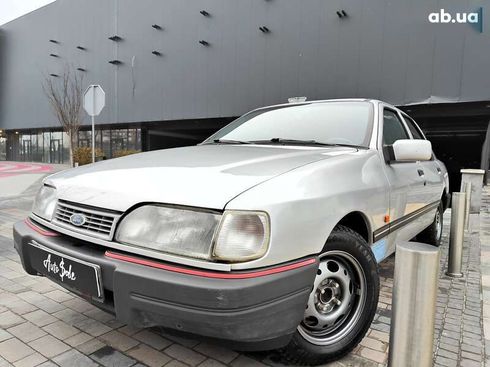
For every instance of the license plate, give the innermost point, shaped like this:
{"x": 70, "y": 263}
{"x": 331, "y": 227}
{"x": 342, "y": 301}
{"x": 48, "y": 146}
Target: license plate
{"x": 74, "y": 274}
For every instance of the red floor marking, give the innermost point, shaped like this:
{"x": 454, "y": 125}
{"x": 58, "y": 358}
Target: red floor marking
{"x": 12, "y": 169}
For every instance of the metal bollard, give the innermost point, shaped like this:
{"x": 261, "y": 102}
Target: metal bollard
{"x": 414, "y": 305}
{"x": 456, "y": 234}
{"x": 467, "y": 191}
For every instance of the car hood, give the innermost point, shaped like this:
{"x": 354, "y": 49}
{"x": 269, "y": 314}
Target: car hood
{"x": 206, "y": 176}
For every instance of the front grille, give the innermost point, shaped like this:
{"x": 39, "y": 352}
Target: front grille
{"x": 98, "y": 222}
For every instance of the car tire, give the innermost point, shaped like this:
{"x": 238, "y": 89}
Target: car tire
{"x": 432, "y": 235}
{"x": 342, "y": 304}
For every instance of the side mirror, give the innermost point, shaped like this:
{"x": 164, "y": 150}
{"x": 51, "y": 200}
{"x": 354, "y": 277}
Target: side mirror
{"x": 412, "y": 150}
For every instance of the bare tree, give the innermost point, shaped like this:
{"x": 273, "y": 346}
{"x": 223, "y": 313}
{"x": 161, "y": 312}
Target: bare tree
{"x": 65, "y": 95}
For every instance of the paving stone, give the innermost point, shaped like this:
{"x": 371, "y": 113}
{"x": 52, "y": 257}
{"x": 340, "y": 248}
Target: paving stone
{"x": 156, "y": 341}
{"x": 109, "y": 357}
{"x": 373, "y": 355}
{"x": 99, "y": 315}
{"x": 59, "y": 296}
{"x": 4, "y": 335}
{"x": 74, "y": 358}
{"x": 175, "y": 363}
{"x": 79, "y": 305}
{"x": 78, "y": 339}
{"x": 14, "y": 350}
{"x": 118, "y": 340}
{"x": 224, "y": 355}
{"x": 243, "y": 361}
{"x": 373, "y": 344}
{"x": 90, "y": 346}
{"x": 187, "y": 342}
{"x": 9, "y": 319}
{"x": 211, "y": 363}
{"x": 129, "y": 330}
{"x": 30, "y": 361}
{"x": 149, "y": 356}
{"x": 185, "y": 355}
{"x": 472, "y": 356}
{"x": 61, "y": 330}
{"x": 49, "y": 346}
{"x": 26, "y": 332}
{"x": 92, "y": 327}
{"x": 39, "y": 317}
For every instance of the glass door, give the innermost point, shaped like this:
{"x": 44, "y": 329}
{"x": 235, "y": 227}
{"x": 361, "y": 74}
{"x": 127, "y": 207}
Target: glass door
{"x": 27, "y": 151}
{"x": 55, "y": 151}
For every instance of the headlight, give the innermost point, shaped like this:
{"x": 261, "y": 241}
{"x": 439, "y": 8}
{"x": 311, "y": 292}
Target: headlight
{"x": 242, "y": 236}
{"x": 45, "y": 202}
{"x": 172, "y": 230}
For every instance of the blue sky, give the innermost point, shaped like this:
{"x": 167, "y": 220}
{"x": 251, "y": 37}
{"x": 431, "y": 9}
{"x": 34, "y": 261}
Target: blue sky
{"x": 11, "y": 9}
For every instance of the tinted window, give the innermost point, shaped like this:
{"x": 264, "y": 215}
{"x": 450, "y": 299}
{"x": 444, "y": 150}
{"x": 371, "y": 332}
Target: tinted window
{"x": 329, "y": 122}
{"x": 393, "y": 128}
{"x": 413, "y": 128}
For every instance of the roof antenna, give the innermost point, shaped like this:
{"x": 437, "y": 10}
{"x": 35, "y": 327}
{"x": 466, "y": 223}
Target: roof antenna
{"x": 297, "y": 99}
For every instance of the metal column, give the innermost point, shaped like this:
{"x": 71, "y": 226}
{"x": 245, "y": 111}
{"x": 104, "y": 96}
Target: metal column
{"x": 414, "y": 305}
{"x": 456, "y": 234}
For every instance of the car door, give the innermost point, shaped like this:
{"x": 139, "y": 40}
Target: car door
{"x": 433, "y": 174}
{"x": 406, "y": 182}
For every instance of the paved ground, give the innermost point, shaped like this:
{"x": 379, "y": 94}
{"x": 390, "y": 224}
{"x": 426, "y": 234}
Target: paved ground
{"x": 42, "y": 324}
{"x": 485, "y": 267}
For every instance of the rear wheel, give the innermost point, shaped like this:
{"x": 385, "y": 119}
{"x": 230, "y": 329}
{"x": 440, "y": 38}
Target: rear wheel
{"x": 432, "y": 235}
{"x": 342, "y": 303}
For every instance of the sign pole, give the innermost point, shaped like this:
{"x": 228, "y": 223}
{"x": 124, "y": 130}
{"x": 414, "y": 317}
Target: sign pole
{"x": 93, "y": 139}
{"x": 93, "y": 132}
{"x": 93, "y": 103}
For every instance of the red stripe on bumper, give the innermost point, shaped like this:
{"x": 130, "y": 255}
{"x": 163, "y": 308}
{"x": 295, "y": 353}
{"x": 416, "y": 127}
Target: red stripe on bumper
{"x": 39, "y": 229}
{"x": 209, "y": 274}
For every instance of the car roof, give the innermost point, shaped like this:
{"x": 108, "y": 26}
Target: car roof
{"x": 374, "y": 101}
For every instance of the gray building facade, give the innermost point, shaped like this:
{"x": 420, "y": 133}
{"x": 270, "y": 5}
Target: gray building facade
{"x": 187, "y": 67}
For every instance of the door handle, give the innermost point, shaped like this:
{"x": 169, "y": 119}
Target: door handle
{"x": 439, "y": 170}
{"x": 421, "y": 172}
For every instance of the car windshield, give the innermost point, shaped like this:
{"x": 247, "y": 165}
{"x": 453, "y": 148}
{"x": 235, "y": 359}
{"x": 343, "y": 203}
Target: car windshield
{"x": 329, "y": 123}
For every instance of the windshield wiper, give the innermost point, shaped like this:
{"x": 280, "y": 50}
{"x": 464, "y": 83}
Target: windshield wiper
{"x": 225, "y": 141}
{"x": 284, "y": 141}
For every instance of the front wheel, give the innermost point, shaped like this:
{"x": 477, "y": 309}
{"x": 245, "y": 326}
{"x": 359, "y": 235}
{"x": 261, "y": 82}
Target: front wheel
{"x": 342, "y": 303}
{"x": 432, "y": 235}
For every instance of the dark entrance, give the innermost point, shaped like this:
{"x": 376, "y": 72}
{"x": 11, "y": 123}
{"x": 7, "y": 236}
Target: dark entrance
{"x": 457, "y": 132}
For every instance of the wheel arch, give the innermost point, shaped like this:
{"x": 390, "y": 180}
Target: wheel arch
{"x": 358, "y": 222}
{"x": 445, "y": 199}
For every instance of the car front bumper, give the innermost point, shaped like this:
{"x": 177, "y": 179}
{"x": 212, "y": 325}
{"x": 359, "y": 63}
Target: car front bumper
{"x": 256, "y": 310}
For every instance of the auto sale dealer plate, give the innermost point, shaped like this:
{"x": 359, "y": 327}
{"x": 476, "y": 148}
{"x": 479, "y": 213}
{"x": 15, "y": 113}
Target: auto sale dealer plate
{"x": 78, "y": 275}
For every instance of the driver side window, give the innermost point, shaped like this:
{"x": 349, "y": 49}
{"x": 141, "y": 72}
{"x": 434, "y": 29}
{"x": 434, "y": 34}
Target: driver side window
{"x": 393, "y": 128}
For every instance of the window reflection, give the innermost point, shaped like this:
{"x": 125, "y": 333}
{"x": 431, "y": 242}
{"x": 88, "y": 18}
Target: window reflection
{"x": 53, "y": 146}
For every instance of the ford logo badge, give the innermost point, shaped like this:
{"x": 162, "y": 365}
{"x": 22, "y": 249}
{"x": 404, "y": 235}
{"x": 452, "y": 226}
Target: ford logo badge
{"x": 78, "y": 219}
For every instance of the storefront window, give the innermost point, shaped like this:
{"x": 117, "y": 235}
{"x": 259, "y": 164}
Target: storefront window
{"x": 39, "y": 150}
{"x": 3, "y": 146}
{"x": 106, "y": 143}
{"x": 25, "y": 148}
{"x": 56, "y": 147}
{"x": 66, "y": 148}
{"x": 119, "y": 141}
{"x": 46, "y": 146}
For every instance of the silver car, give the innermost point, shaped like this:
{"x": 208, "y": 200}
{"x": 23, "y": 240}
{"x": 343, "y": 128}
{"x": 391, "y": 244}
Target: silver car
{"x": 266, "y": 235}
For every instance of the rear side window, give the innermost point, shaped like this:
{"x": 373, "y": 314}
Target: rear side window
{"x": 393, "y": 128}
{"x": 413, "y": 128}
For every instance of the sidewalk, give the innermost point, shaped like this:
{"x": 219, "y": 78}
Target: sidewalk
{"x": 17, "y": 177}
{"x": 43, "y": 324}
{"x": 485, "y": 267}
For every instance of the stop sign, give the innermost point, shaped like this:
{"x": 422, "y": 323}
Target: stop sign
{"x": 94, "y": 100}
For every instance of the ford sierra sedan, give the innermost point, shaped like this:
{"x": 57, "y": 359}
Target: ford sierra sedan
{"x": 267, "y": 235}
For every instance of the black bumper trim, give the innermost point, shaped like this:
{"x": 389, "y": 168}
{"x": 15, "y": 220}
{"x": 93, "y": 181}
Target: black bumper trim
{"x": 257, "y": 313}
